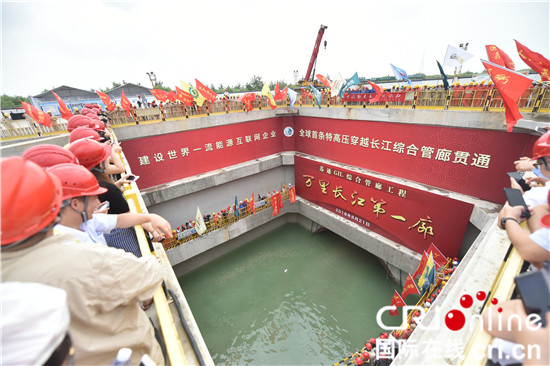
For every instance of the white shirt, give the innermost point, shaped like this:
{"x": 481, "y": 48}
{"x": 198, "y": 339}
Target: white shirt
{"x": 91, "y": 231}
{"x": 537, "y": 195}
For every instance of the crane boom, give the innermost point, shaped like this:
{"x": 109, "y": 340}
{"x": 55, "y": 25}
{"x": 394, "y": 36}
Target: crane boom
{"x": 315, "y": 51}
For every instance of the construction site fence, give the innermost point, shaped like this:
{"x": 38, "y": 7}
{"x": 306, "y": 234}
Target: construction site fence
{"x": 220, "y": 222}
{"x": 481, "y": 98}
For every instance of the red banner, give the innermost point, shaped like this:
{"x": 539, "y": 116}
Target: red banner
{"x": 37, "y": 115}
{"x": 408, "y": 216}
{"x": 324, "y": 80}
{"x": 535, "y": 60}
{"x": 125, "y": 104}
{"x": 184, "y": 97}
{"x": 247, "y": 100}
{"x": 396, "y": 301}
{"x": 378, "y": 89}
{"x": 511, "y": 86}
{"x": 444, "y": 157}
{"x": 172, "y": 96}
{"x": 438, "y": 257}
{"x": 107, "y": 101}
{"x": 159, "y": 94}
{"x": 205, "y": 91}
{"x": 410, "y": 288}
{"x": 421, "y": 265}
{"x": 275, "y": 205}
{"x": 63, "y": 109}
{"x": 499, "y": 57}
{"x": 292, "y": 194}
{"x": 165, "y": 158}
{"x": 368, "y": 97}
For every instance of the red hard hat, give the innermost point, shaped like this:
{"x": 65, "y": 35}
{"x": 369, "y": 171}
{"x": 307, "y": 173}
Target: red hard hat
{"x": 76, "y": 181}
{"x": 47, "y": 155}
{"x": 78, "y": 120}
{"x": 83, "y": 133}
{"x": 92, "y": 116}
{"x": 542, "y": 146}
{"x": 96, "y": 110}
{"x": 31, "y": 198}
{"x": 95, "y": 105}
{"x": 89, "y": 152}
{"x": 88, "y": 105}
{"x": 86, "y": 110}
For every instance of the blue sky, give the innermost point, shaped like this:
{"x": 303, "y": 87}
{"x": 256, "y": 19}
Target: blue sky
{"x": 90, "y": 44}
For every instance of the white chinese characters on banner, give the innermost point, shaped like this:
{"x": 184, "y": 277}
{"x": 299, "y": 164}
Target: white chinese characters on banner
{"x": 466, "y": 158}
{"x": 208, "y": 146}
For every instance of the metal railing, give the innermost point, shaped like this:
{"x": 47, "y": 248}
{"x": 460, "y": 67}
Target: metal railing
{"x": 482, "y": 98}
{"x": 220, "y": 222}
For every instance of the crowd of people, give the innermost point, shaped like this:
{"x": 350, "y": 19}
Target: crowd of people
{"x": 186, "y": 231}
{"x": 533, "y": 245}
{"x": 67, "y": 229}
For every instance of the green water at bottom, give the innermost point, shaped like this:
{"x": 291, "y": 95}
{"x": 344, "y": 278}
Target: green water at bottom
{"x": 289, "y": 297}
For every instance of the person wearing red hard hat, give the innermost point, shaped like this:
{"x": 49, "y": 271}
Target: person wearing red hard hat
{"x": 84, "y": 133}
{"x": 104, "y": 286}
{"x": 80, "y": 200}
{"x": 96, "y": 156}
{"x": 47, "y": 155}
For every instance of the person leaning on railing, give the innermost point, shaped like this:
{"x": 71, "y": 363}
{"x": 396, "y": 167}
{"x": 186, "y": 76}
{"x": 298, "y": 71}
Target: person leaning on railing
{"x": 536, "y": 198}
{"x": 104, "y": 286}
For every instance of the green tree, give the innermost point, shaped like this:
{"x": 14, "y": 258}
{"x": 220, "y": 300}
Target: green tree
{"x": 256, "y": 83}
{"x": 9, "y": 101}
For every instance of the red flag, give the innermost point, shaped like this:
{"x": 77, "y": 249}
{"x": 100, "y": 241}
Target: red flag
{"x": 292, "y": 194}
{"x": 38, "y": 116}
{"x": 159, "y": 94}
{"x": 65, "y": 112}
{"x": 397, "y": 301}
{"x": 499, "y": 57}
{"x": 184, "y": 96}
{"x": 378, "y": 91}
{"x": 409, "y": 288}
{"x": 438, "y": 257}
{"x": 275, "y": 205}
{"x": 125, "y": 103}
{"x": 107, "y": 101}
{"x": 172, "y": 96}
{"x": 306, "y": 93}
{"x": 324, "y": 80}
{"x": 247, "y": 100}
{"x": 535, "y": 60}
{"x": 421, "y": 266}
{"x": 206, "y": 92}
{"x": 511, "y": 86}
{"x": 279, "y": 199}
{"x": 252, "y": 204}
{"x": 280, "y": 94}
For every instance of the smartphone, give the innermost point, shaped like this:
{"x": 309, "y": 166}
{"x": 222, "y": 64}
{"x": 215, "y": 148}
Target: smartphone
{"x": 132, "y": 177}
{"x": 519, "y": 178}
{"x": 104, "y": 205}
{"x": 533, "y": 289}
{"x": 515, "y": 198}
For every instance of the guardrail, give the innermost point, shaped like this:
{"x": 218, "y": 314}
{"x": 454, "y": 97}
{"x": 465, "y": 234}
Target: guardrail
{"x": 535, "y": 99}
{"x": 174, "y": 345}
{"x": 221, "y": 222}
